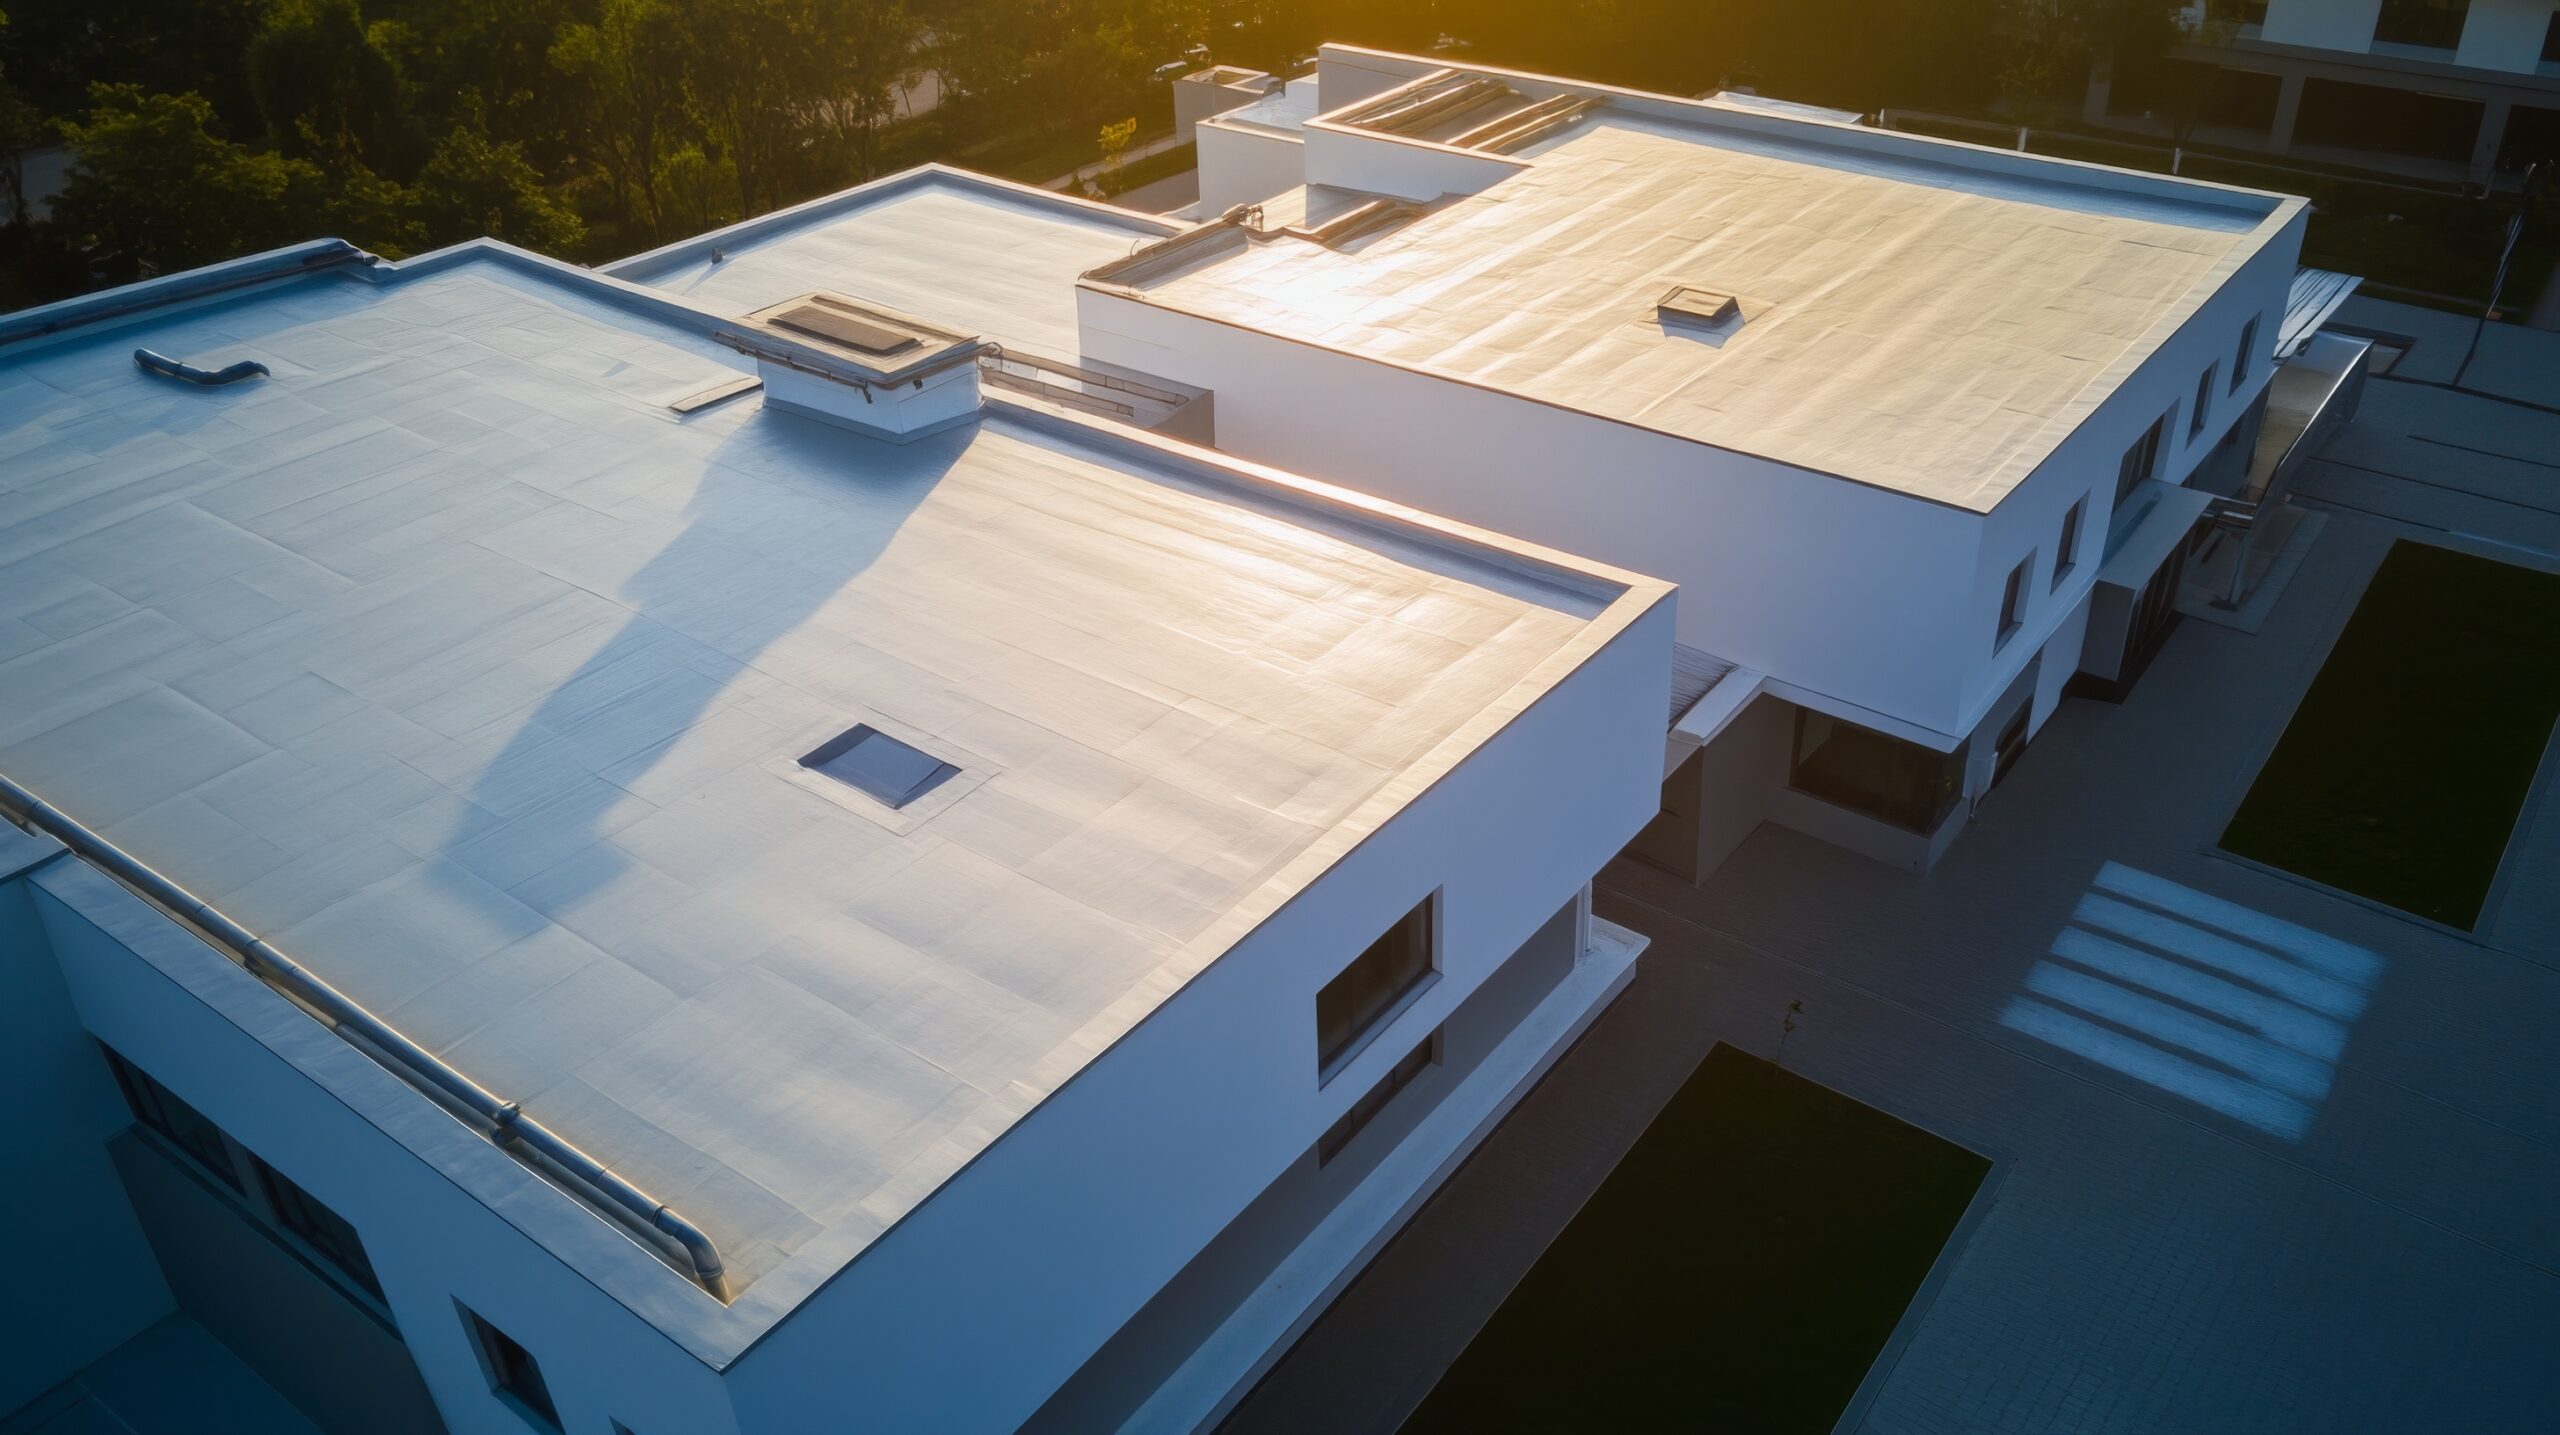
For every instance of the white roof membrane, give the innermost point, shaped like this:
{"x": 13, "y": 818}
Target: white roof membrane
{"x": 1908, "y": 323}
{"x": 975, "y": 254}
{"x": 454, "y": 662}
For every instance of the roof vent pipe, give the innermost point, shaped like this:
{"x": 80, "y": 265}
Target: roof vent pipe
{"x": 169, "y": 368}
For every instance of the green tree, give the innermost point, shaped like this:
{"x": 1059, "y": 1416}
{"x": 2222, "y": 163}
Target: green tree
{"x": 628, "y": 67}
{"x": 21, "y": 129}
{"x": 329, "y": 92}
{"x": 474, "y": 185}
{"x": 151, "y": 184}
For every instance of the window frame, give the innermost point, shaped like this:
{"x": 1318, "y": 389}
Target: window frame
{"x": 490, "y": 1346}
{"x": 148, "y": 1099}
{"x": 309, "y": 1220}
{"x": 1431, "y": 1051}
{"x": 2243, "y": 360}
{"x": 2014, "y": 601}
{"x": 2202, "y": 414}
{"x": 2147, "y": 444}
{"x": 1941, "y": 790}
{"x": 2066, "y": 546}
{"x": 1382, "y": 1012}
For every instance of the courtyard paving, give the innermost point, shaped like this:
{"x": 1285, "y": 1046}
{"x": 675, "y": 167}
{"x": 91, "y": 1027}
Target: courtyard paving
{"x": 2306, "y": 1176}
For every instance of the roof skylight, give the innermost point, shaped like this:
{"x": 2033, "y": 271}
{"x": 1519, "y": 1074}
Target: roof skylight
{"x": 872, "y": 762}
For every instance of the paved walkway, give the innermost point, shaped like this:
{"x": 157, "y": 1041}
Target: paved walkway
{"x": 2343, "y": 1220}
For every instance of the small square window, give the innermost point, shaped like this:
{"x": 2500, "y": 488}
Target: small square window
{"x": 1359, "y": 1002}
{"x": 513, "y": 1373}
{"x": 870, "y": 761}
{"x": 2247, "y": 355}
{"x": 2204, "y": 403}
{"x": 2013, "y": 604}
{"x": 2066, "y": 549}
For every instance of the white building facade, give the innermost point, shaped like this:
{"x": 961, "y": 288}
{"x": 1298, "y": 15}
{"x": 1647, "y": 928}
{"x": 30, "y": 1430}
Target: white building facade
{"x": 1939, "y": 496}
{"x": 553, "y": 889}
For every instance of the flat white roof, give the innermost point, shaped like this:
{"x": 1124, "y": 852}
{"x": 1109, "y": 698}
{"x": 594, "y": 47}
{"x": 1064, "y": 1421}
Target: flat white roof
{"x": 1922, "y": 318}
{"x": 979, "y": 254}
{"x": 456, "y": 663}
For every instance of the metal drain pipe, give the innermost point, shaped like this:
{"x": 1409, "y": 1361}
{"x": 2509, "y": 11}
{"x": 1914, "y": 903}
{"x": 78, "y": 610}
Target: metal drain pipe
{"x": 508, "y": 1125}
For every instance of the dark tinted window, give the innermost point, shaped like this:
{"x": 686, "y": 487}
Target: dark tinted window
{"x": 514, "y": 1373}
{"x": 2066, "y": 549}
{"x": 2013, "y": 603}
{"x": 319, "y": 1227}
{"x": 1351, "y": 1006}
{"x": 1902, "y": 783}
{"x": 2138, "y": 460}
{"x": 1375, "y": 1099}
{"x": 159, "y": 1108}
{"x": 2437, "y": 23}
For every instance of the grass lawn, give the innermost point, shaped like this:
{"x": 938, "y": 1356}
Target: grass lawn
{"x": 2401, "y": 773}
{"x": 1739, "y": 1270}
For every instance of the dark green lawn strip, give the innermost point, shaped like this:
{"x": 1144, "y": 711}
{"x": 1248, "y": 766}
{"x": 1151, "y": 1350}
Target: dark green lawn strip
{"x": 1738, "y": 1271}
{"x": 2403, "y": 770}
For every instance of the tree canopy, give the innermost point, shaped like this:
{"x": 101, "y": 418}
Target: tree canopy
{"x": 589, "y": 129}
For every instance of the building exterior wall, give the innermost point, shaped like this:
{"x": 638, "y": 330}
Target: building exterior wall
{"x": 2504, "y": 35}
{"x": 1240, "y": 164}
{"x": 1780, "y": 569}
{"x": 1406, "y": 169}
{"x": 443, "y": 1214}
{"x": 1083, "y": 1211}
{"x": 1214, "y": 91}
{"x": 2085, "y": 465}
{"x": 60, "y": 1180}
{"x": 339, "y": 1364}
{"x": 1144, "y": 1352}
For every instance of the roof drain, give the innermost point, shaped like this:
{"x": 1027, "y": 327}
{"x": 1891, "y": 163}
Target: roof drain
{"x": 169, "y": 368}
{"x": 508, "y": 1125}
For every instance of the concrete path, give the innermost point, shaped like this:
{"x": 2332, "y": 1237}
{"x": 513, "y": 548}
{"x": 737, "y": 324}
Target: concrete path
{"x": 2268, "y": 1158}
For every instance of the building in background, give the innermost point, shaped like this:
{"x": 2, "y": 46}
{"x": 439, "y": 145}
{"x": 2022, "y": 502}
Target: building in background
{"x": 2435, "y": 89}
{"x": 1925, "y": 431}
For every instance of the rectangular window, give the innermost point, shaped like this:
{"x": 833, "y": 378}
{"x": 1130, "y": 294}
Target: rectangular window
{"x": 2013, "y": 604}
{"x": 2436, "y": 24}
{"x": 2247, "y": 357}
{"x": 2139, "y": 459}
{"x": 320, "y": 1228}
{"x": 186, "y": 1128}
{"x": 2066, "y": 549}
{"x": 2551, "y": 41}
{"x": 1359, "y": 1002}
{"x": 513, "y": 1373}
{"x": 1375, "y": 1099}
{"x": 2204, "y": 402}
{"x": 1893, "y": 781}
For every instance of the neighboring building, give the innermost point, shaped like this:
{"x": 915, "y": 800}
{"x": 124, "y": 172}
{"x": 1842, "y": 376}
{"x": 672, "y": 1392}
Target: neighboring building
{"x": 1037, "y": 902}
{"x": 2445, "y": 89}
{"x": 1922, "y": 429}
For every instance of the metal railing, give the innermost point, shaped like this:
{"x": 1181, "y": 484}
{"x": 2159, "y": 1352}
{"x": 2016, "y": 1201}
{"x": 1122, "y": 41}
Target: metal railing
{"x": 502, "y": 1121}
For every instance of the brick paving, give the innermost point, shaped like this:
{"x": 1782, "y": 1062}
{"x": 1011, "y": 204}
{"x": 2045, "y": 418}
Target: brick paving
{"x": 2365, "y": 1237}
